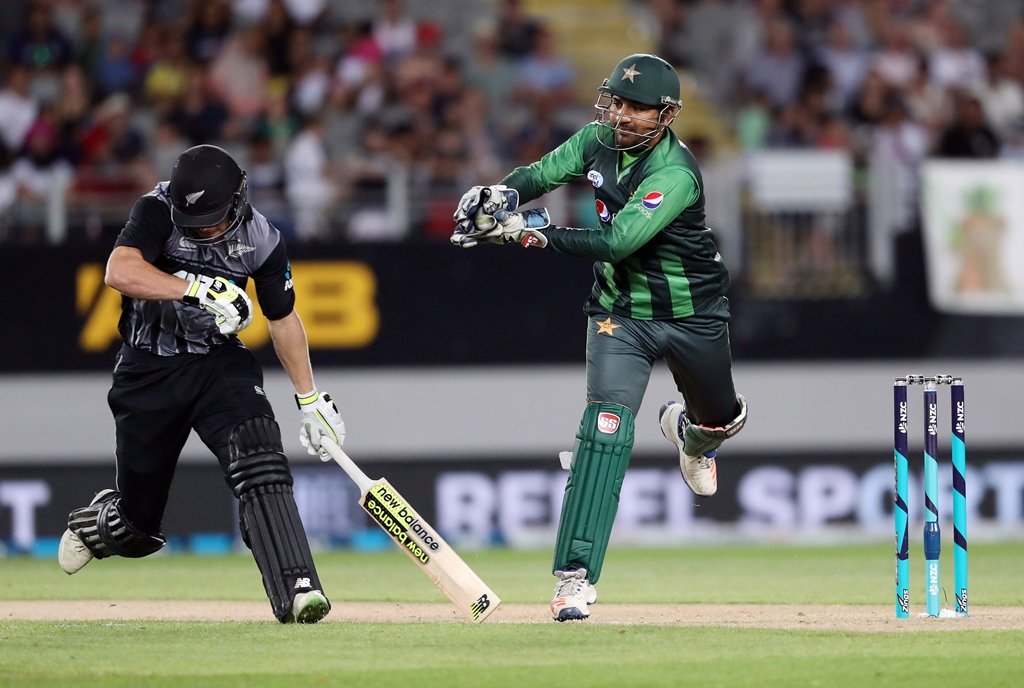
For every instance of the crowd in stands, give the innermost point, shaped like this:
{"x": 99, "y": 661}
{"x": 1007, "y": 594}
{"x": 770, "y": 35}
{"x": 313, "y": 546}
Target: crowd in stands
{"x": 326, "y": 103}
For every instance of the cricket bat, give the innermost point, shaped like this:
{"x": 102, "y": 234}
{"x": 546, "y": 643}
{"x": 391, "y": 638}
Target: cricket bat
{"x": 419, "y": 540}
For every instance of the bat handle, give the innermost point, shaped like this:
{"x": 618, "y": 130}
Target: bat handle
{"x": 335, "y": 452}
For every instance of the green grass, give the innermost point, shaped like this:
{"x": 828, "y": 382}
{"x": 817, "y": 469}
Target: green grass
{"x": 150, "y": 653}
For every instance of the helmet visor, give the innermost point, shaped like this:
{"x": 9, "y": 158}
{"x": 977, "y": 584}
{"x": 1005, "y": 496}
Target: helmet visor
{"x": 210, "y": 219}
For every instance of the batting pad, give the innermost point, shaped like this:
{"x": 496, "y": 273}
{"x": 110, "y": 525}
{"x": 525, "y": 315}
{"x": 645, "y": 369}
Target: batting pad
{"x": 600, "y": 458}
{"x": 273, "y": 529}
{"x": 259, "y": 475}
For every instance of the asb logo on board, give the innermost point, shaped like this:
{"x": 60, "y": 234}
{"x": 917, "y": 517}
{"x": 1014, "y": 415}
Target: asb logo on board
{"x": 603, "y": 212}
{"x": 607, "y": 423}
{"x": 653, "y": 200}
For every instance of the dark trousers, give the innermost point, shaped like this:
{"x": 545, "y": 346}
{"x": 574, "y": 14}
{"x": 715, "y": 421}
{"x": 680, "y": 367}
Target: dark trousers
{"x": 158, "y": 400}
{"x": 622, "y": 353}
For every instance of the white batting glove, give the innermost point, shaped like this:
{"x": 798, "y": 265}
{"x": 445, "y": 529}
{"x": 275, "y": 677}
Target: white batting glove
{"x": 522, "y": 228}
{"x": 230, "y": 305}
{"x": 320, "y": 418}
{"x": 483, "y": 199}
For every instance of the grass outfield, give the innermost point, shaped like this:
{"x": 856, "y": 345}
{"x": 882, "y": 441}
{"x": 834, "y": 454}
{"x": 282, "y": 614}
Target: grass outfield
{"x": 265, "y": 653}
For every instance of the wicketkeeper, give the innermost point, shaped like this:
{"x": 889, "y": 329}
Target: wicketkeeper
{"x": 182, "y": 262}
{"x": 659, "y": 293}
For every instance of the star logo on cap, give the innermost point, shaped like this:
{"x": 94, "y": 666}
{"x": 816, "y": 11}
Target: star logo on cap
{"x": 630, "y": 73}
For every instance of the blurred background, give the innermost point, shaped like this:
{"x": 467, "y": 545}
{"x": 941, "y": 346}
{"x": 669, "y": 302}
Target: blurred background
{"x": 863, "y": 163}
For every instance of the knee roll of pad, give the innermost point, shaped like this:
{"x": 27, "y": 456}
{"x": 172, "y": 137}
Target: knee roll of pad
{"x": 256, "y": 456}
{"x": 600, "y": 457}
{"x": 698, "y": 440}
{"x": 106, "y": 532}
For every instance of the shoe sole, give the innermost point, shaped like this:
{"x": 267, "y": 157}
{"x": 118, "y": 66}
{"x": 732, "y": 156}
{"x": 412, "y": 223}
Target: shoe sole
{"x": 65, "y": 539}
{"x": 571, "y": 614}
{"x": 69, "y": 544}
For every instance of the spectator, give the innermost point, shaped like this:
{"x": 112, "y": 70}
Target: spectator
{"x": 39, "y": 45}
{"x": 778, "y": 68}
{"x": 73, "y": 111}
{"x": 491, "y": 73}
{"x": 170, "y": 74}
{"x": 955, "y": 63}
{"x": 310, "y": 74}
{"x": 1001, "y": 96}
{"x": 927, "y": 102}
{"x": 895, "y": 61}
{"x": 8, "y": 192}
{"x": 309, "y": 182}
{"x": 209, "y": 30}
{"x": 37, "y": 173}
{"x": 845, "y": 62}
{"x": 545, "y": 76}
{"x": 517, "y": 32}
{"x": 200, "y": 116}
{"x": 393, "y": 31}
{"x": 115, "y": 70}
{"x": 89, "y": 40}
{"x": 358, "y": 79}
{"x": 114, "y": 148}
{"x": 239, "y": 75}
{"x": 18, "y": 108}
{"x": 167, "y": 143}
{"x": 969, "y": 136}
{"x": 279, "y": 29}
{"x": 899, "y": 146}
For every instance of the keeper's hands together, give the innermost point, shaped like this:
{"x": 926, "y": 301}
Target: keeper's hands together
{"x": 320, "y": 418}
{"x": 474, "y": 216}
{"x": 522, "y": 228}
{"x": 230, "y": 305}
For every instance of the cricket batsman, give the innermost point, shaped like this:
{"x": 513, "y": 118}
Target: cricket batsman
{"x": 659, "y": 293}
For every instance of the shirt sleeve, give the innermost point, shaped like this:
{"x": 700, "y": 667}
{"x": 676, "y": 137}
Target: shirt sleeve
{"x": 147, "y": 228}
{"x": 635, "y": 224}
{"x": 563, "y": 164}
{"x": 274, "y": 288}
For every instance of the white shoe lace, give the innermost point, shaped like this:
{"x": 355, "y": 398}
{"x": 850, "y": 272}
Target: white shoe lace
{"x": 569, "y": 586}
{"x": 705, "y": 462}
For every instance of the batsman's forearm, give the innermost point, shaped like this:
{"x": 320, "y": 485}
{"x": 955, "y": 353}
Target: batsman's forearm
{"x": 292, "y": 348}
{"x": 129, "y": 273}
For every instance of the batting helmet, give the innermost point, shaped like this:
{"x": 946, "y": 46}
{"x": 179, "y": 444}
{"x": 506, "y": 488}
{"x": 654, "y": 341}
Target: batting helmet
{"x": 207, "y": 187}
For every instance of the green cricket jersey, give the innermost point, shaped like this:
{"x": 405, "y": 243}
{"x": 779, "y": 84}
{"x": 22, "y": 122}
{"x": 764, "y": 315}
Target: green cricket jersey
{"x": 656, "y": 260}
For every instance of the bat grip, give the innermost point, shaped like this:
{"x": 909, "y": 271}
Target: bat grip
{"x": 361, "y": 480}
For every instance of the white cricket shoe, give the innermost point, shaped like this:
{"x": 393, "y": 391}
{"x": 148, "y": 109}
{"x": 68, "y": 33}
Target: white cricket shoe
{"x": 72, "y": 554}
{"x": 308, "y": 607}
{"x": 573, "y": 595}
{"x": 699, "y": 472}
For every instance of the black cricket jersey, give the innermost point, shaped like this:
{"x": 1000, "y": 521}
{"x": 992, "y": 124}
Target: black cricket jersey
{"x": 167, "y": 328}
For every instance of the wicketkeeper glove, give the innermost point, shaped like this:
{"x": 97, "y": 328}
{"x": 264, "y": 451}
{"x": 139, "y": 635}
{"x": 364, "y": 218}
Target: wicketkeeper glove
{"x": 485, "y": 230}
{"x": 230, "y": 305}
{"x": 486, "y": 200}
{"x": 320, "y": 418}
{"x": 522, "y": 228}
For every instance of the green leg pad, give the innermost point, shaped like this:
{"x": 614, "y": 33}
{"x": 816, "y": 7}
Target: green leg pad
{"x": 600, "y": 458}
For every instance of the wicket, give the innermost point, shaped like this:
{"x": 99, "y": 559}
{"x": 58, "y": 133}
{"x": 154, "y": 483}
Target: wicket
{"x": 932, "y": 537}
